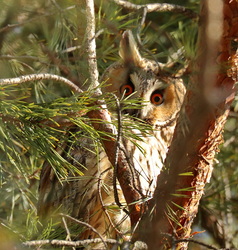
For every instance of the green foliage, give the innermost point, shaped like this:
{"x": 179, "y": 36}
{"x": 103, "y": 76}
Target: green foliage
{"x": 49, "y": 36}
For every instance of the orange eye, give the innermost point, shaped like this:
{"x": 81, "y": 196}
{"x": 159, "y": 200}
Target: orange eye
{"x": 127, "y": 89}
{"x": 157, "y": 98}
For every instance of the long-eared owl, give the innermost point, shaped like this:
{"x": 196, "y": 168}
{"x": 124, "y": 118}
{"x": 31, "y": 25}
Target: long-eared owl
{"x": 90, "y": 198}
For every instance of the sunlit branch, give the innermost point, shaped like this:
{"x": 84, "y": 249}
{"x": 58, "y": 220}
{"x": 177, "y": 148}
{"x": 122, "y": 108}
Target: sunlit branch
{"x": 66, "y": 243}
{"x": 193, "y": 148}
{"x": 91, "y": 44}
{"x": 156, "y": 7}
{"x": 37, "y": 77}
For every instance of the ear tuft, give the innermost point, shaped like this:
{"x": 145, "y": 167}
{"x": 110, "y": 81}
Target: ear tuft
{"x": 128, "y": 49}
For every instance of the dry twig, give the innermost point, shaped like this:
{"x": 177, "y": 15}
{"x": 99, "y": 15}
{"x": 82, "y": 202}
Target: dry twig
{"x": 85, "y": 224}
{"x": 157, "y": 7}
{"x": 66, "y": 243}
{"x": 67, "y": 231}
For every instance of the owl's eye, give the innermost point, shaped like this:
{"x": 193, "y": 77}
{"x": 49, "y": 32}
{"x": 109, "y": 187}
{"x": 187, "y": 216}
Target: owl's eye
{"x": 157, "y": 98}
{"x": 127, "y": 89}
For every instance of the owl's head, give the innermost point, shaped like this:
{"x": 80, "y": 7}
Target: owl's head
{"x": 136, "y": 77}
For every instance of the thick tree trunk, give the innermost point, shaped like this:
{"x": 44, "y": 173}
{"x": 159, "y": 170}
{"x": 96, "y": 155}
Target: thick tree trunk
{"x": 199, "y": 130}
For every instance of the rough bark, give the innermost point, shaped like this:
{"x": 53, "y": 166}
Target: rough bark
{"x": 199, "y": 130}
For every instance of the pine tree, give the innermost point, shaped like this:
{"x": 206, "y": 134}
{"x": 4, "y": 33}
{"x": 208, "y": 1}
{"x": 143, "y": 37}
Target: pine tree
{"x": 48, "y": 37}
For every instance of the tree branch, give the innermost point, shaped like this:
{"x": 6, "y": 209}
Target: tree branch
{"x": 207, "y": 102}
{"x": 85, "y": 224}
{"x": 37, "y": 77}
{"x": 67, "y": 243}
{"x": 157, "y": 7}
{"x": 197, "y": 242}
{"x": 90, "y": 35}
{"x": 109, "y": 143}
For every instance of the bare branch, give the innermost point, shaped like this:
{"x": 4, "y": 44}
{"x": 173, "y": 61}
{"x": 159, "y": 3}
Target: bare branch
{"x": 67, "y": 243}
{"x": 197, "y": 242}
{"x": 37, "y": 77}
{"x": 175, "y": 241}
{"x": 156, "y": 7}
{"x": 90, "y": 35}
{"x": 85, "y": 224}
{"x": 67, "y": 231}
{"x": 119, "y": 134}
{"x": 103, "y": 205}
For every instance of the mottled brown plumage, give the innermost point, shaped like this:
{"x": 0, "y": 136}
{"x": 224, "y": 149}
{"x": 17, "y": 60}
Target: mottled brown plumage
{"x": 131, "y": 77}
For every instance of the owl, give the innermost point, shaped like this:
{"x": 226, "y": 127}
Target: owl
{"x": 90, "y": 197}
